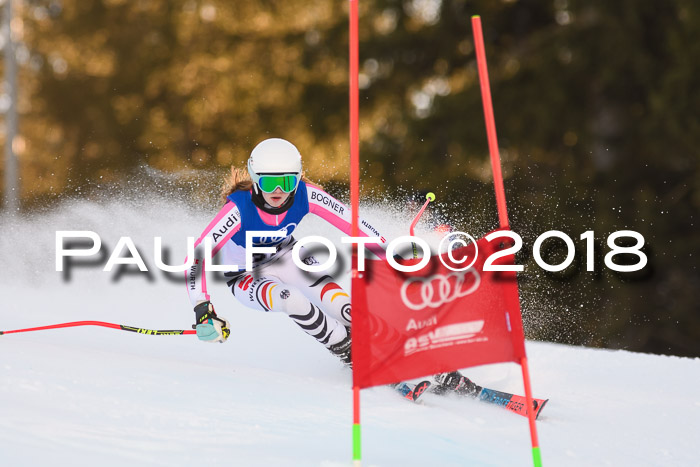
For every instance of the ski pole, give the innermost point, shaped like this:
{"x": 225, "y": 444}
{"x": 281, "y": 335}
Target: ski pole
{"x": 121, "y": 327}
{"x": 428, "y": 199}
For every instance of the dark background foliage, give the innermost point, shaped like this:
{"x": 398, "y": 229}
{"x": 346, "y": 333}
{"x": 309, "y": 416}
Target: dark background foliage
{"x": 596, "y": 106}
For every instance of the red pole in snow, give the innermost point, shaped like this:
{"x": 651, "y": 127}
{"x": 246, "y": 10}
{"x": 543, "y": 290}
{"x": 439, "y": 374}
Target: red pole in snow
{"x": 354, "y": 58}
{"x": 501, "y": 203}
{"x": 536, "y": 456}
{"x": 490, "y": 123}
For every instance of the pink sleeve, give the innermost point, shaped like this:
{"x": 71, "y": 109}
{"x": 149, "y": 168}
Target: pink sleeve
{"x": 220, "y": 230}
{"x": 336, "y": 213}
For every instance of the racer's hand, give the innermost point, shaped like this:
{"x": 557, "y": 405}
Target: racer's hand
{"x": 210, "y": 327}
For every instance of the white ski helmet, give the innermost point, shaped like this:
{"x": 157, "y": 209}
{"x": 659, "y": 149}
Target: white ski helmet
{"x": 274, "y": 156}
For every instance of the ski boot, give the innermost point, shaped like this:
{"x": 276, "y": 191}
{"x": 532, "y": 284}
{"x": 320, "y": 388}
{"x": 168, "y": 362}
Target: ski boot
{"x": 455, "y": 382}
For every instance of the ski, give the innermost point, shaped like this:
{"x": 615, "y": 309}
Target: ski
{"x": 455, "y": 382}
{"x": 412, "y": 392}
{"x": 513, "y": 402}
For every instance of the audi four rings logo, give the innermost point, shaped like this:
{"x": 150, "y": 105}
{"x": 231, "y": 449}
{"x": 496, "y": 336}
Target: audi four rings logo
{"x": 438, "y": 289}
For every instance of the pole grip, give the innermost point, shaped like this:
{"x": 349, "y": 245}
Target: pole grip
{"x": 429, "y": 198}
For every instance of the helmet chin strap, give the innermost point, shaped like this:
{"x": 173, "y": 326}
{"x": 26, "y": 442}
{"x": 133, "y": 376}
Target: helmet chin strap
{"x": 260, "y": 202}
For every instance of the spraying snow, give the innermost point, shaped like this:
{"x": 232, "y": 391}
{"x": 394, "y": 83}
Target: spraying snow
{"x": 271, "y": 395}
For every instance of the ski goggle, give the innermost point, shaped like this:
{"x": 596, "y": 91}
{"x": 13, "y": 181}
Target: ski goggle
{"x": 286, "y": 182}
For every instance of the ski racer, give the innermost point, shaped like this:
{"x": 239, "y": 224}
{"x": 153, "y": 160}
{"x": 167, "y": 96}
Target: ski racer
{"x": 274, "y": 196}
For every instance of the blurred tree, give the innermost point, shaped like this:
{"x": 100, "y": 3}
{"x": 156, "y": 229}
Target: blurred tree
{"x": 595, "y": 103}
{"x": 176, "y": 85}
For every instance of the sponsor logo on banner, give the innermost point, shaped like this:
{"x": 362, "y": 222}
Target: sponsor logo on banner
{"x": 444, "y": 336}
{"x": 418, "y": 293}
{"x": 414, "y": 325}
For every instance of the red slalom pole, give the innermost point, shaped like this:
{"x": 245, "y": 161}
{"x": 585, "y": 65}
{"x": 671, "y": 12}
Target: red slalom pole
{"x": 501, "y": 204}
{"x": 536, "y": 455}
{"x": 120, "y": 327}
{"x": 354, "y": 104}
{"x": 490, "y": 122}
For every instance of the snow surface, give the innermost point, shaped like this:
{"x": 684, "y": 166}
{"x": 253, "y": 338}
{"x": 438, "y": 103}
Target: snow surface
{"x": 271, "y": 395}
